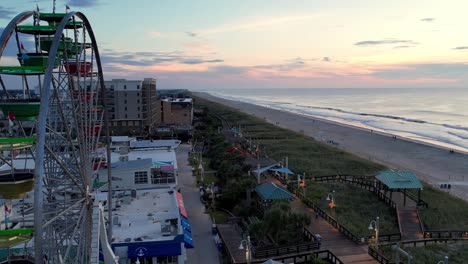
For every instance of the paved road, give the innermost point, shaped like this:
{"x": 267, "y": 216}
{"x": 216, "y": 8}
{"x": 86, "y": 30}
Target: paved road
{"x": 205, "y": 250}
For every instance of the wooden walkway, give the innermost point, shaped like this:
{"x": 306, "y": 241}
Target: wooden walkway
{"x": 340, "y": 245}
{"x": 409, "y": 220}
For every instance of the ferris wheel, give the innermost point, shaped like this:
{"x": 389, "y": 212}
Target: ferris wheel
{"x": 51, "y": 143}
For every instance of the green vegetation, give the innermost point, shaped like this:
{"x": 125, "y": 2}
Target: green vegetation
{"x": 219, "y": 217}
{"x": 456, "y": 251}
{"x": 445, "y": 212}
{"x": 304, "y": 153}
{"x": 355, "y": 207}
{"x": 283, "y": 225}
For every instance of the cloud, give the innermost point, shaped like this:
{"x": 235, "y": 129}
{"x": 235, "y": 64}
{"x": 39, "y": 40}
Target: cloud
{"x": 327, "y": 59}
{"x": 461, "y": 48}
{"x": 288, "y": 66}
{"x": 82, "y": 3}
{"x": 366, "y": 43}
{"x": 403, "y": 47}
{"x": 428, "y": 19}
{"x": 6, "y": 12}
{"x": 423, "y": 70}
{"x": 150, "y": 58}
{"x": 191, "y": 34}
{"x": 199, "y": 61}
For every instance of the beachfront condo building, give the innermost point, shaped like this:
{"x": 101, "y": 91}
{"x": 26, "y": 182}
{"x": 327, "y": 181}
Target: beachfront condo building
{"x": 133, "y": 106}
{"x": 177, "y": 112}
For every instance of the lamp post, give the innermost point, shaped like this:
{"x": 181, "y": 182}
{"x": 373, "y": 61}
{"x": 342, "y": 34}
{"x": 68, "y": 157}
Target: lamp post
{"x": 376, "y": 228}
{"x": 212, "y": 194}
{"x": 248, "y": 249}
{"x": 331, "y": 199}
{"x": 445, "y": 261}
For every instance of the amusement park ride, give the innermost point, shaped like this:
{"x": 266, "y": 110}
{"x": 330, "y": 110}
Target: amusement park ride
{"x": 52, "y": 144}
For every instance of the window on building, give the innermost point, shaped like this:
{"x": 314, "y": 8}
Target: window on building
{"x": 125, "y": 108}
{"x": 138, "y": 87}
{"x": 126, "y": 116}
{"x": 138, "y": 94}
{"x": 125, "y": 94}
{"x": 138, "y": 101}
{"x": 125, "y": 87}
{"x": 113, "y": 116}
{"x": 138, "y": 115}
{"x": 138, "y": 108}
{"x": 141, "y": 177}
{"x": 125, "y": 101}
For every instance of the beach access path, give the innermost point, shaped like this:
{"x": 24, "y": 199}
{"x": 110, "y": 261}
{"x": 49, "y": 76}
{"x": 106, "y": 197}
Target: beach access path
{"x": 432, "y": 164}
{"x": 332, "y": 239}
{"x": 205, "y": 250}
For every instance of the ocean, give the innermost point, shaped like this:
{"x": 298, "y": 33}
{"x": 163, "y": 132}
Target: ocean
{"x": 433, "y": 115}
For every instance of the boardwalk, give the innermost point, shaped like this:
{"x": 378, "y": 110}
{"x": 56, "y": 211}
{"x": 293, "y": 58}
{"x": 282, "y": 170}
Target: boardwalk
{"x": 409, "y": 220}
{"x": 345, "y": 249}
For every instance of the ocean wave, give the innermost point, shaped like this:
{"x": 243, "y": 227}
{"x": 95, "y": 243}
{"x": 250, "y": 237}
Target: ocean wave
{"x": 366, "y": 114}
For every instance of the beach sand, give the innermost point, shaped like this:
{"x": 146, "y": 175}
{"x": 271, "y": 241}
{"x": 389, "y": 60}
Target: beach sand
{"x": 432, "y": 164}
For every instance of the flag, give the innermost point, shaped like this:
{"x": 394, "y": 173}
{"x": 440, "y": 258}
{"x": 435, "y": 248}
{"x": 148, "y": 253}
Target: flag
{"x": 67, "y": 7}
{"x": 21, "y": 45}
{"x": 7, "y": 209}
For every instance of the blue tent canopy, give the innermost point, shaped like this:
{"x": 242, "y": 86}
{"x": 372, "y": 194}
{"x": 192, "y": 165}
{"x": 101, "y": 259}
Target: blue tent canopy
{"x": 262, "y": 170}
{"x": 284, "y": 170}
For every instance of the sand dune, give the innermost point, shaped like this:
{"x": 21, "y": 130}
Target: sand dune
{"x": 432, "y": 164}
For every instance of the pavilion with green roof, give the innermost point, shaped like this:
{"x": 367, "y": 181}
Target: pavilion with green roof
{"x": 399, "y": 181}
{"x": 269, "y": 192}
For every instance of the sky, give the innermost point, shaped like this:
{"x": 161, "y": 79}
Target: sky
{"x": 210, "y": 44}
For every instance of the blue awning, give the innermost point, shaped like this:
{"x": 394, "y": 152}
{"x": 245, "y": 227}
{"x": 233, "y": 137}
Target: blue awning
{"x": 185, "y": 224}
{"x": 188, "y": 241}
{"x": 262, "y": 170}
{"x": 284, "y": 170}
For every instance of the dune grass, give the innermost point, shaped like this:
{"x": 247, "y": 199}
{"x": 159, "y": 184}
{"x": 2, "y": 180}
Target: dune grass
{"x": 355, "y": 208}
{"x": 304, "y": 153}
{"x": 456, "y": 251}
{"x": 445, "y": 211}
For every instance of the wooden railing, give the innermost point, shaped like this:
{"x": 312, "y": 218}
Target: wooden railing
{"x": 341, "y": 228}
{"x": 305, "y": 258}
{"x": 419, "y": 202}
{"x": 328, "y": 218}
{"x": 446, "y": 234}
{"x": 412, "y": 243}
{"x": 285, "y": 250}
{"x": 377, "y": 256}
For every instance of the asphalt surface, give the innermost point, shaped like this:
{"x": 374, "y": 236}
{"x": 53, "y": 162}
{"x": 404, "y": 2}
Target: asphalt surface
{"x": 205, "y": 250}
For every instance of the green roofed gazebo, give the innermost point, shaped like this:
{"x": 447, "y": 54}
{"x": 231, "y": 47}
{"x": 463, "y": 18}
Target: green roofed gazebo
{"x": 269, "y": 192}
{"x": 399, "y": 181}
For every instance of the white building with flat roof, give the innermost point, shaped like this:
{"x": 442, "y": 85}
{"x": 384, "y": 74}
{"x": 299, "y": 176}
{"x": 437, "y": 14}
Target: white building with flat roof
{"x": 147, "y": 225}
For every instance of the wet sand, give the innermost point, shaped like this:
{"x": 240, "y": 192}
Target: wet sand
{"x": 432, "y": 164}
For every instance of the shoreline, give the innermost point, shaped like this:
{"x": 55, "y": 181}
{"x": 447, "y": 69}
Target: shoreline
{"x": 428, "y": 141}
{"x": 432, "y": 163}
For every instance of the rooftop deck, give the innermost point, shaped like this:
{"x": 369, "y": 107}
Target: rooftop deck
{"x": 150, "y": 216}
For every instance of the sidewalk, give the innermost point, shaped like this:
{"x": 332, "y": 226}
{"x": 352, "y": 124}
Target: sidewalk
{"x": 205, "y": 250}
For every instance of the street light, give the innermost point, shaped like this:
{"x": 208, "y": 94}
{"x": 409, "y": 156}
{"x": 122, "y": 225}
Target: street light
{"x": 248, "y": 249}
{"x": 331, "y": 198}
{"x": 376, "y": 228}
{"x": 445, "y": 261}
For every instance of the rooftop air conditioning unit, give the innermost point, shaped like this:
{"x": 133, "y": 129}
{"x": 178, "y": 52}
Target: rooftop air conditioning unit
{"x": 123, "y": 158}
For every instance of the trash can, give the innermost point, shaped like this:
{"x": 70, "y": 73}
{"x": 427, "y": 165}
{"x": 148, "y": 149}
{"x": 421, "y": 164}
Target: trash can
{"x": 318, "y": 239}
